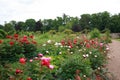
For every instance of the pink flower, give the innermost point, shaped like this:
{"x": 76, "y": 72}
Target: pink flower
{"x": 40, "y": 55}
{"x": 31, "y": 60}
{"x": 51, "y": 66}
{"x": 107, "y": 49}
{"x": 101, "y": 44}
{"x": 22, "y": 60}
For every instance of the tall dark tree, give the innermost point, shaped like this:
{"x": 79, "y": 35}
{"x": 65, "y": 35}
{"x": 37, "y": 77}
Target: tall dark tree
{"x": 30, "y": 24}
{"x": 38, "y": 26}
{"x": 85, "y": 21}
{"x": 20, "y": 26}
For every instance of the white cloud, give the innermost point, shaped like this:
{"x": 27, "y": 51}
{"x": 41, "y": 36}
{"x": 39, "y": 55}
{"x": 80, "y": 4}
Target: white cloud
{"x": 39, "y": 9}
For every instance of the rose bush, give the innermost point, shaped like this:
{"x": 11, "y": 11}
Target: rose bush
{"x": 14, "y": 46}
{"x": 37, "y": 68}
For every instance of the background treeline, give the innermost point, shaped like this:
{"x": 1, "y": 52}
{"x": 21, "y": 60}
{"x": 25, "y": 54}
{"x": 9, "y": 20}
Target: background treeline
{"x": 101, "y": 21}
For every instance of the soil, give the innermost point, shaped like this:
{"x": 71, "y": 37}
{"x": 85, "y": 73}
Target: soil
{"x": 114, "y": 59}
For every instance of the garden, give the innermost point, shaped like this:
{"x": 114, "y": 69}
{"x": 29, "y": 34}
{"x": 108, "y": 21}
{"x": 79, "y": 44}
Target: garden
{"x": 54, "y": 55}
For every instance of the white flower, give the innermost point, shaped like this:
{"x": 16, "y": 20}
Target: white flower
{"x": 44, "y": 45}
{"x": 68, "y": 49}
{"x": 98, "y": 68}
{"x": 84, "y": 75}
{"x": 79, "y": 50}
{"x": 71, "y": 52}
{"x": 84, "y": 55}
{"x": 78, "y": 37}
{"x": 49, "y": 41}
{"x": 90, "y": 52}
{"x": 56, "y": 44}
{"x": 87, "y": 55}
{"x": 84, "y": 49}
{"x": 61, "y": 46}
{"x": 95, "y": 56}
{"x": 60, "y": 52}
{"x": 47, "y": 51}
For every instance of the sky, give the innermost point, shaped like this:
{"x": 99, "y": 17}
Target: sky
{"x": 20, "y": 10}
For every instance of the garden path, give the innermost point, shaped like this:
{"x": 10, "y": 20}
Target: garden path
{"x": 114, "y": 59}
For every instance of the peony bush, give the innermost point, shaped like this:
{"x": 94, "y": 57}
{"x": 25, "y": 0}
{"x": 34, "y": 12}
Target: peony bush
{"x": 16, "y": 46}
{"x": 72, "y": 57}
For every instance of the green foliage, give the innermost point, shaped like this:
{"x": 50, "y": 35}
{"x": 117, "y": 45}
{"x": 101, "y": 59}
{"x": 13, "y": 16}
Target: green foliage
{"x": 71, "y": 64}
{"x": 95, "y": 33}
{"x": 67, "y": 31}
{"x": 11, "y": 48}
{"x": 97, "y": 59}
{"x": 108, "y": 37}
{"x": 33, "y": 69}
{"x": 61, "y": 28}
{"x": 52, "y": 32}
{"x": 2, "y": 33}
{"x": 9, "y": 28}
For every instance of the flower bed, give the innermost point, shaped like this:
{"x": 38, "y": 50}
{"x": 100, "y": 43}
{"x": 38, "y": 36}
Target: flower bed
{"x": 71, "y": 57}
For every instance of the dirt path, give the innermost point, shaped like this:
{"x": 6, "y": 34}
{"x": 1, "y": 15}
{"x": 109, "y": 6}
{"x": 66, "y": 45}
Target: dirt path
{"x": 114, "y": 61}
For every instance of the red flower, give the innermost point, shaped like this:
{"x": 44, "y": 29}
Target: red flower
{"x": 18, "y": 71}
{"x": 63, "y": 42}
{"x": 45, "y": 61}
{"x": 11, "y": 43}
{"x": 75, "y": 41}
{"x": 34, "y": 42}
{"x": 31, "y": 36}
{"x": 87, "y": 45}
{"x": 29, "y": 78}
{"x": 10, "y": 37}
{"x": 22, "y": 60}
{"x": 16, "y": 35}
{"x": 1, "y": 41}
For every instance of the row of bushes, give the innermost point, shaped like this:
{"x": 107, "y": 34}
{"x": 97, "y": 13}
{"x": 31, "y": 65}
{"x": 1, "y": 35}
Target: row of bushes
{"x": 72, "y": 56}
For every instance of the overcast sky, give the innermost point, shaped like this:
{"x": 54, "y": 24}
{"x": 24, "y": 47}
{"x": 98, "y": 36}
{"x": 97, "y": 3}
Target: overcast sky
{"x": 20, "y": 10}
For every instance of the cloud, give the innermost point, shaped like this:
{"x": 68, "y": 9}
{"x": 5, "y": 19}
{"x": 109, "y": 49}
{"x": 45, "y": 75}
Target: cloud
{"x": 39, "y": 9}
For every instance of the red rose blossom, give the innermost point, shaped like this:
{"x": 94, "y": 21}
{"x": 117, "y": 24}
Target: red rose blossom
{"x": 11, "y": 43}
{"x": 22, "y": 60}
{"x": 18, "y": 71}
{"x": 1, "y": 41}
{"x": 29, "y": 78}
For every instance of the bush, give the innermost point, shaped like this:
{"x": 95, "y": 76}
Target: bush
{"x": 71, "y": 64}
{"x": 68, "y": 31}
{"x": 37, "y": 68}
{"x": 95, "y": 33}
{"x": 52, "y": 32}
{"x": 13, "y": 46}
{"x": 2, "y": 33}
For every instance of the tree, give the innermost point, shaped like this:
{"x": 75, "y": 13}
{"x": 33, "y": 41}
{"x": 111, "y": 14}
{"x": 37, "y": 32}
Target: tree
{"x": 1, "y": 26}
{"x": 9, "y": 28}
{"x": 38, "y": 26}
{"x": 30, "y": 25}
{"x": 85, "y": 21}
{"x": 20, "y": 26}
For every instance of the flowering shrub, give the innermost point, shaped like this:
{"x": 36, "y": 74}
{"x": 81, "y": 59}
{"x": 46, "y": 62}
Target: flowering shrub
{"x": 91, "y": 52}
{"x": 37, "y": 68}
{"x": 15, "y": 45}
{"x": 88, "y": 56}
